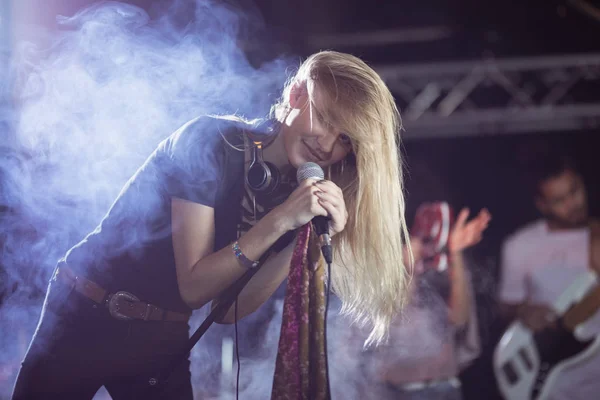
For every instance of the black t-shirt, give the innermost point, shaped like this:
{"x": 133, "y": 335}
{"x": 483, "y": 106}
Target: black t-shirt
{"x": 132, "y": 247}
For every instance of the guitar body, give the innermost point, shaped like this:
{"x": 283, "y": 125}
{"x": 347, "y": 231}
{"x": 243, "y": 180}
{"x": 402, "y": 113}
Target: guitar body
{"x": 559, "y": 350}
{"x": 527, "y": 364}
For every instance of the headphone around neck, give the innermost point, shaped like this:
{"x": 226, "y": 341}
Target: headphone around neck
{"x": 262, "y": 177}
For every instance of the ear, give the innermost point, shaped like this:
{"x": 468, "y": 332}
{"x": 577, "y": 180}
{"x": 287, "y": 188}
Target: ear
{"x": 298, "y": 95}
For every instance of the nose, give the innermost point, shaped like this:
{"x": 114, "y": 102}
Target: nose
{"x": 327, "y": 142}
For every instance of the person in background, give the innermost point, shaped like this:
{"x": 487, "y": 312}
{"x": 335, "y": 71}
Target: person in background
{"x": 543, "y": 258}
{"x": 438, "y": 334}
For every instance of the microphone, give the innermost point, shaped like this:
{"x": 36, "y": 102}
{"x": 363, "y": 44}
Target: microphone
{"x": 312, "y": 170}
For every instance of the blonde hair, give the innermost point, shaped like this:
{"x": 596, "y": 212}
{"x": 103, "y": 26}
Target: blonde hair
{"x": 370, "y": 276}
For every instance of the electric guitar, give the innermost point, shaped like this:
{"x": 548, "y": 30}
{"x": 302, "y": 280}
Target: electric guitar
{"x": 526, "y": 363}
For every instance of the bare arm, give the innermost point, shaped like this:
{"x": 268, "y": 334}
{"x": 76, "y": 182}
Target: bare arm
{"x": 460, "y": 299}
{"x": 464, "y": 235}
{"x": 202, "y": 275}
{"x": 262, "y": 285}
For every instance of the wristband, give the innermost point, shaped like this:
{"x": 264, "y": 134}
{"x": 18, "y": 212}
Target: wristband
{"x": 245, "y": 261}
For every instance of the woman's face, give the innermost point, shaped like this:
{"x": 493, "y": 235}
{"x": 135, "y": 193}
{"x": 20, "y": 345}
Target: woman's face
{"x": 307, "y": 137}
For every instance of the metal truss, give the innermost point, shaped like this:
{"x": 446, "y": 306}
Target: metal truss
{"x": 497, "y": 96}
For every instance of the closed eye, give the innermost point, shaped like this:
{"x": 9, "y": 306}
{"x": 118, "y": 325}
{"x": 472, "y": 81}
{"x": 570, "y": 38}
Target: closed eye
{"x": 345, "y": 140}
{"x": 322, "y": 121}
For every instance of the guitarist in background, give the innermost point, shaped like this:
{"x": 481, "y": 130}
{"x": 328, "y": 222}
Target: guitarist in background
{"x": 542, "y": 259}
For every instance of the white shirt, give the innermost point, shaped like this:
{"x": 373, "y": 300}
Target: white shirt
{"x": 538, "y": 265}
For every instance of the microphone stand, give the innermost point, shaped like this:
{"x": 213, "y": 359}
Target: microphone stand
{"x": 158, "y": 381}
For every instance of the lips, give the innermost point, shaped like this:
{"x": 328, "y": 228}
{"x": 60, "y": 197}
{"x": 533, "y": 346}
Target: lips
{"x": 313, "y": 152}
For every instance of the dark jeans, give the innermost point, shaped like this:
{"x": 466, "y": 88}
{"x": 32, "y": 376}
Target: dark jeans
{"x": 79, "y": 347}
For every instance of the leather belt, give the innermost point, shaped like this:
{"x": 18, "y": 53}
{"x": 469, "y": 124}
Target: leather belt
{"x": 121, "y": 305}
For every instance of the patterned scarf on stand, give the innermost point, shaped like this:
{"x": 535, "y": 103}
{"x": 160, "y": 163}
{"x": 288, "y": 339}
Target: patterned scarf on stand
{"x": 301, "y": 366}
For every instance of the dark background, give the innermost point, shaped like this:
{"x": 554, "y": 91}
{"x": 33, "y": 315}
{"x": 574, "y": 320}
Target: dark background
{"x": 474, "y": 171}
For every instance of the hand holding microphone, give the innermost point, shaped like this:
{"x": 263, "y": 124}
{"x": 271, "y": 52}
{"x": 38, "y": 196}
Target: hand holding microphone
{"x": 319, "y": 201}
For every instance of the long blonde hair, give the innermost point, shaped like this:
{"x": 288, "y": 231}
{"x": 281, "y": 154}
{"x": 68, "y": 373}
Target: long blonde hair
{"x": 370, "y": 275}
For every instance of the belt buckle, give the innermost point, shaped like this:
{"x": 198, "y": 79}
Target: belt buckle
{"x": 412, "y": 386}
{"x": 115, "y": 304}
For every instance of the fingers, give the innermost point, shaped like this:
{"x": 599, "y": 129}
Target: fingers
{"x": 538, "y": 317}
{"x": 317, "y": 206}
{"x": 308, "y": 182}
{"x": 467, "y": 234}
{"x": 484, "y": 217}
{"x": 477, "y": 225}
{"x": 329, "y": 193}
{"x": 482, "y": 222}
{"x": 331, "y": 198}
{"x": 485, "y": 213}
{"x": 462, "y": 217}
{"x": 329, "y": 187}
{"x": 334, "y": 207}
{"x": 538, "y": 324}
{"x": 333, "y": 211}
{"x": 476, "y": 228}
{"x": 308, "y": 191}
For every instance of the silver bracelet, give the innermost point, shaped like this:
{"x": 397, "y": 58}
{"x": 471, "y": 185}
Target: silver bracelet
{"x": 245, "y": 261}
